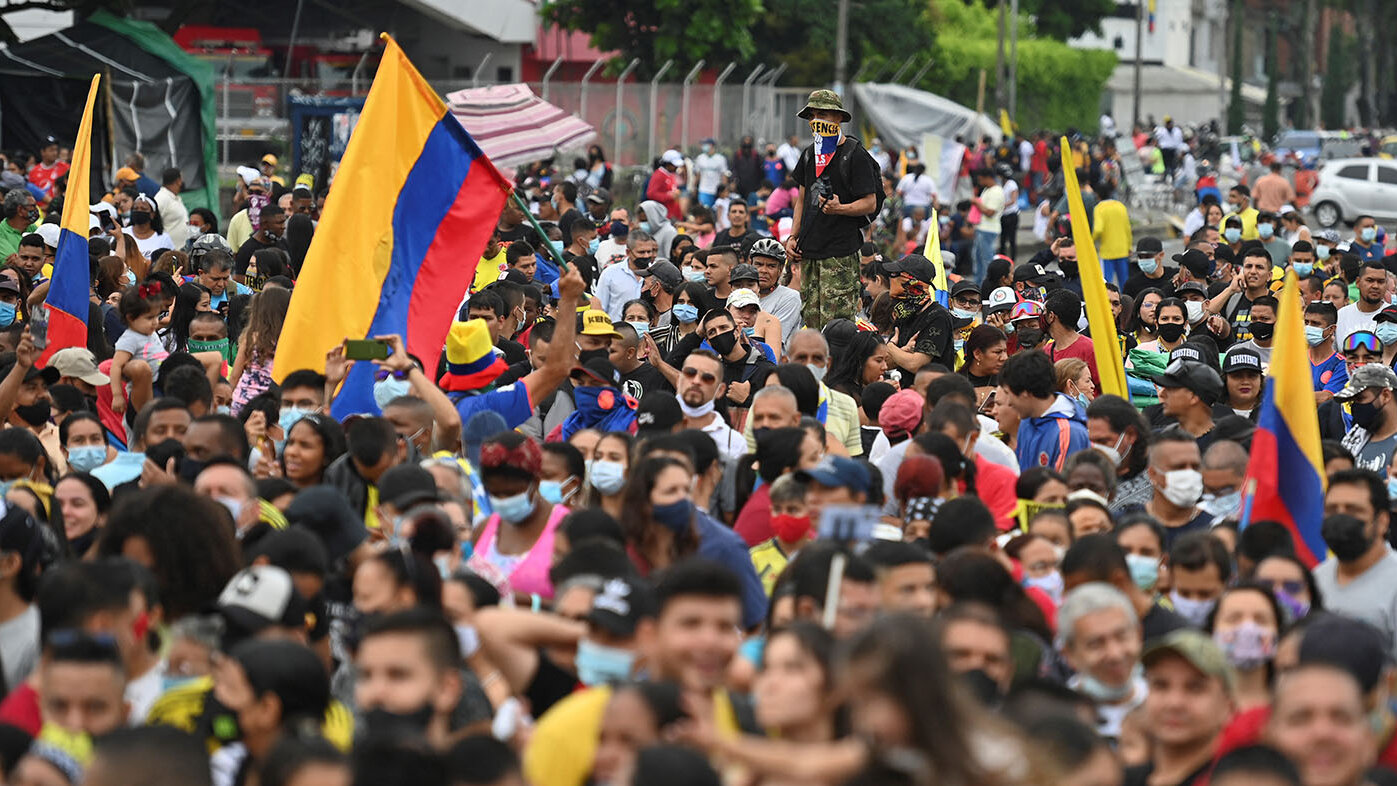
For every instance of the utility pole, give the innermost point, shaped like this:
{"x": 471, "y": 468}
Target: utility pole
{"x": 999, "y": 63}
{"x": 1014, "y": 62}
{"x": 841, "y": 47}
{"x": 1139, "y": 60}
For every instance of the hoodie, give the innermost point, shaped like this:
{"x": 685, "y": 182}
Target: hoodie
{"x": 654, "y": 214}
{"x": 1047, "y": 440}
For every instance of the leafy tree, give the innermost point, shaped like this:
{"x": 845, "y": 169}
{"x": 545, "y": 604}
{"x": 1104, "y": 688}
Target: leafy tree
{"x": 658, "y": 30}
{"x": 807, "y": 48}
{"x": 1062, "y": 19}
{"x": 1271, "y": 114}
{"x": 1338, "y": 80}
{"x": 1236, "y": 110}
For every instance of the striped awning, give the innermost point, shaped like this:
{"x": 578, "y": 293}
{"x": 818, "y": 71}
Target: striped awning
{"x": 513, "y": 126}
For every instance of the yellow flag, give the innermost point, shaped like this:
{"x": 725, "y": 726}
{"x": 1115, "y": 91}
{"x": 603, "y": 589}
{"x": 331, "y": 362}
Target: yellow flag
{"x": 933, "y": 254}
{"x": 1005, "y": 124}
{"x": 1109, "y": 364}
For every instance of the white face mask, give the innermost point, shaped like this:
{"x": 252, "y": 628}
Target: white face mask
{"x": 1195, "y": 311}
{"x": 1183, "y": 487}
{"x": 1113, "y": 452}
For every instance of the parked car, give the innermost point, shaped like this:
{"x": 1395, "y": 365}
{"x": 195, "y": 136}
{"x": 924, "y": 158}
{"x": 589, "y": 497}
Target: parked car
{"x": 1314, "y": 147}
{"x": 1351, "y": 187}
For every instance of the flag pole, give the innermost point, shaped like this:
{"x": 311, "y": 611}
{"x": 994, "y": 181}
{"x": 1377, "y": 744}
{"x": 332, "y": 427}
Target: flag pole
{"x": 548, "y": 244}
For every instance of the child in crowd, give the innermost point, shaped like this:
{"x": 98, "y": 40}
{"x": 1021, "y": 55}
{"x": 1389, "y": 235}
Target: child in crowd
{"x": 138, "y": 310}
{"x": 791, "y": 523}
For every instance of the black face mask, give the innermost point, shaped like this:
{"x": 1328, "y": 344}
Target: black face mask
{"x": 189, "y": 469}
{"x": 33, "y": 214}
{"x": 591, "y": 354}
{"x": 36, "y": 414}
{"x": 140, "y": 217}
{"x": 1367, "y": 414}
{"x": 382, "y": 724}
{"x": 1029, "y": 336}
{"x": 1346, "y": 536}
{"x": 724, "y": 343}
{"x": 1262, "y": 331}
{"x": 83, "y": 542}
{"x": 1069, "y": 267}
{"x": 1171, "y": 331}
{"x": 983, "y": 687}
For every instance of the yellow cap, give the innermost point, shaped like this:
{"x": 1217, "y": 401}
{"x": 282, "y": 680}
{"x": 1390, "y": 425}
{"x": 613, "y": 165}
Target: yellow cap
{"x": 127, "y": 173}
{"x": 595, "y": 322}
{"x": 268, "y": 159}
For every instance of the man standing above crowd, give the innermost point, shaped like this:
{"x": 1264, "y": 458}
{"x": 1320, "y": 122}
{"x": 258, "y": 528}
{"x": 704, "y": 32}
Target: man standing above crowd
{"x": 712, "y": 169}
{"x": 838, "y": 196}
{"x": 1170, "y": 139}
{"x": 173, "y": 214}
{"x": 1272, "y": 190}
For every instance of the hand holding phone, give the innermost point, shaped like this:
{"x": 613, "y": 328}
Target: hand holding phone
{"x": 366, "y": 349}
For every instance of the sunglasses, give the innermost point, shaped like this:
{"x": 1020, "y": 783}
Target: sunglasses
{"x": 707, "y": 377}
{"x": 1292, "y": 588}
{"x": 383, "y": 373}
{"x": 1361, "y": 338}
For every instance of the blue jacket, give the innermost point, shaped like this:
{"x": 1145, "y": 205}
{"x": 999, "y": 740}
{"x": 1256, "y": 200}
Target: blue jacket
{"x": 1047, "y": 440}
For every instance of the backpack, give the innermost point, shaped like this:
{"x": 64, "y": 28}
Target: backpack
{"x": 846, "y": 171}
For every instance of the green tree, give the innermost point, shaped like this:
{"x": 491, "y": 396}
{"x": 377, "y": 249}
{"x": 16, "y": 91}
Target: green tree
{"x": 807, "y": 48}
{"x": 1271, "y": 115}
{"x": 1064, "y": 19}
{"x": 1338, "y": 80}
{"x": 1236, "y": 110}
{"x": 685, "y": 31}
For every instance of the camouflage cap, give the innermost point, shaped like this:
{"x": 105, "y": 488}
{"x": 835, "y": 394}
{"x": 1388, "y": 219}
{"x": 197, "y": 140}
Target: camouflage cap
{"x": 1198, "y": 649}
{"x": 824, "y": 99}
{"x": 1365, "y": 377}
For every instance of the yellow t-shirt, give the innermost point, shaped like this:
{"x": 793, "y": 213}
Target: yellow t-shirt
{"x": 768, "y": 560}
{"x": 1248, "y": 217}
{"x": 183, "y": 705}
{"x": 488, "y": 271}
{"x": 1111, "y": 227}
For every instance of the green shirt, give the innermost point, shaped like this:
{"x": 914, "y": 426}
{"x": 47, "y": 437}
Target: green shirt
{"x": 9, "y": 239}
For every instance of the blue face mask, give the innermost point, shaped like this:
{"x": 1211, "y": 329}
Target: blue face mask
{"x": 645, "y": 227}
{"x": 130, "y": 278}
{"x": 223, "y": 409}
{"x": 552, "y": 490}
{"x": 641, "y": 328}
{"x": 7, "y": 314}
{"x": 594, "y": 245}
{"x": 1322, "y": 252}
{"x": 1148, "y": 265}
{"x": 1266, "y": 231}
{"x": 386, "y": 390}
{"x": 677, "y": 516}
{"x": 598, "y": 664}
{"x": 1387, "y": 333}
{"x": 513, "y": 509}
{"x": 685, "y": 312}
{"x": 1233, "y": 234}
{"x": 608, "y": 476}
{"x": 1392, "y": 488}
{"x": 1368, "y": 234}
{"x": 693, "y": 275}
{"x": 1314, "y": 336}
{"x": 1303, "y": 269}
{"x": 749, "y": 331}
{"x": 1144, "y": 571}
{"x": 288, "y": 418}
{"x": 557, "y": 247}
{"x": 960, "y": 313}
{"x": 87, "y": 457}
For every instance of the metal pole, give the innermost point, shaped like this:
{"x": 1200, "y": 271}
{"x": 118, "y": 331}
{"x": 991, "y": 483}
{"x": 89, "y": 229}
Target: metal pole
{"x": 914, "y": 77}
{"x": 475, "y": 78}
{"x": 654, "y": 111}
{"x": 747, "y": 91}
{"x": 718, "y": 100}
{"x": 906, "y": 64}
{"x": 841, "y": 46}
{"x": 1139, "y": 59}
{"x": 1014, "y": 61}
{"x": 916, "y": 80}
{"x": 547, "y": 75}
{"x": 999, "y": 63}
{"x": 291, "y": 47}
{"x": 358, "y": 69}
{"x": 620, "y": 106}
{"x": 582, "y": 88}
{"x": 227, "y": 74}
{"x": 770, "y": 80}
{"x": 684, "y": 104}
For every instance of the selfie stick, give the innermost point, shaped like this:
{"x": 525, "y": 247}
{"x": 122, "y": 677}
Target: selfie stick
{"x": 836, "y": 578}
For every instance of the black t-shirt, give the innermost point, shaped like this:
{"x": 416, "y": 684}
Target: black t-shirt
{"x": 932, "y": 327}
{"x": 641, "y": 380}
{"x": 744, "y": 240}
{"x": 251, "y": 246}
{"x": 1139, "y": 282}
{"x": 520, "y": 232}
{"x": 513, "y": 351}
{"x": 550, "y": 685}
{"x": 1139, "y": 775}
{"x": 1160, "y": 621}
{"x": 824, "y": 236}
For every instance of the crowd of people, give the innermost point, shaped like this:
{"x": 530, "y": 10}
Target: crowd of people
{"x": 695, "y": 493}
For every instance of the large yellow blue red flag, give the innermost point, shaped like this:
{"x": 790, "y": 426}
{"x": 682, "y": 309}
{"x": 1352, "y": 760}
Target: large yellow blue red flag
{"x": 72, "y": 272}
{"x": 1286, "y": 472}
{"x": 1109, "y": 364}
{"x": 412, "y": 206}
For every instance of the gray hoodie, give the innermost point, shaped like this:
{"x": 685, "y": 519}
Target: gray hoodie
{"x": 660, "y": 228}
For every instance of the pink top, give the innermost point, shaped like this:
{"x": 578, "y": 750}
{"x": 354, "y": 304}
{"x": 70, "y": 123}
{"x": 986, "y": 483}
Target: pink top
{"x": 529, "y": 572}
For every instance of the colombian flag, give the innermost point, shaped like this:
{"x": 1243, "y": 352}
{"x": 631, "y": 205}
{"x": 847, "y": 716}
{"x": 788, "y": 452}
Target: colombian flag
{"x": 1109, "y": 364}
{"x": 1287, "y": 467}
{"x": 411, "y": 209}
{"x": 72, "y": 272}
{"x": 942, "y": 290}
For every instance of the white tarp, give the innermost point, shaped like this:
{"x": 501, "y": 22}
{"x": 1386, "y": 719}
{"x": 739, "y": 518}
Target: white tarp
{"x": 904, "y": 115}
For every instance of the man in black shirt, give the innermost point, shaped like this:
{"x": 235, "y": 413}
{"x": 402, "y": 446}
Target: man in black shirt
{"x": 637, "y": 376}
{"x": 740, "y": 234}
{"x": 839, "y": 195}
{"x": 512, "y": 226}
{"x": 741, "y": 362}
{"x": 923, "y": 328}
{"x": 1150, "y": 273}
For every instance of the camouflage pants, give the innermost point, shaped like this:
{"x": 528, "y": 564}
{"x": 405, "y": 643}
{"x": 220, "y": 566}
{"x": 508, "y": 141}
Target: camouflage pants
{"x": 829, "y": 289}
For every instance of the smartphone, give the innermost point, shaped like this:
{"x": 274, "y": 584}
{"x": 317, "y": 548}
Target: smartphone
{"x": 366, "y": 349}
{"x": 39, "y": 328}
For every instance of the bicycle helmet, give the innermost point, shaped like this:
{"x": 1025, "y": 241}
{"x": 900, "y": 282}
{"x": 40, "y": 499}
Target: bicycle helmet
{"x": 767, "y": 247}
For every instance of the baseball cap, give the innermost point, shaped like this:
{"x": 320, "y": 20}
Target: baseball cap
{"x": 621, "y": 605}
{"x": 1200, "y": 378}
{"x": 667, "y": 274}
{"x": 914, "y": 265}
{"x": 743, "y": 272}
{"x": 8, "y": 359}
{"x": 258, "y": 597}
{"x": 483, "y": 425}
{"x": 1191, "y": 286}
{"x": 1197, "y": 649}
{"x": 326, "y": 513}
{"x": 837, "y": 472}
{"x": 1187, "y": 351}
{"x": 1241, "y": 359}
{"x": 742, "y": 298}
{"x": 1327, "y": 236}
{"x": 1349, "y": 644}
{"x": 658, "y": 412}
{"x": 1148, "y": 247}
{"x": 406, "y": 485}
{"x": 1388, "y": 314}
{"x": 599, "y": 195}
{"x": 77, "y": 362}
{"x": 672, "y": 156}
{"x": 127, "y": 173}
{"x": 1372, "y": 375}
{"x": 595, "y": 322}
{"x": 1001, "y": 299}
{"x": 598, "y": 370}
{"x": 50, "y": 233}
{"x": 963, "y": 286}
{"x": 1029, "y": 272}
{"x": 901, "y": 413}
{"x": 269, "y": 159}
{"x": 1195, "y": 262}
{"x": 1223, "y": 253}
